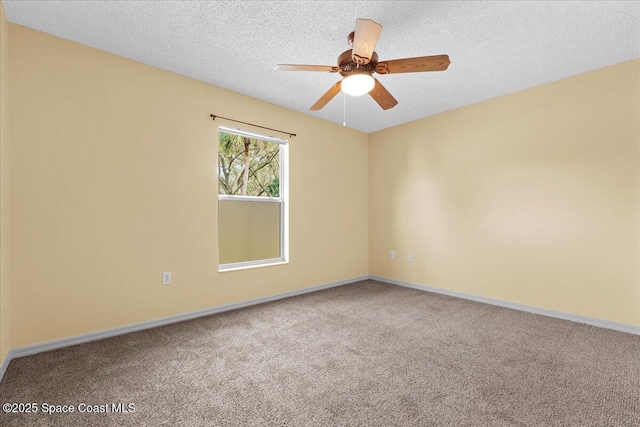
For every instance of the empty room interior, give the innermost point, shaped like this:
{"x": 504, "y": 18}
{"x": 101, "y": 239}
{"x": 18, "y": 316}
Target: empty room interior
{"x": 319, "y": 213}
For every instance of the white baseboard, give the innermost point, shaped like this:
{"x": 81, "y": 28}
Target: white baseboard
{"x": 98, "y": 335}
{"x": 621, "y": 327}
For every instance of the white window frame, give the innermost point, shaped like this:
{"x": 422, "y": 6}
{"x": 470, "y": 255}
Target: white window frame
{"x": 283, "y": 199}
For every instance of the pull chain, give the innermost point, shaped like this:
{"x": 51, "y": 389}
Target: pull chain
{"x": 344, "y": 109}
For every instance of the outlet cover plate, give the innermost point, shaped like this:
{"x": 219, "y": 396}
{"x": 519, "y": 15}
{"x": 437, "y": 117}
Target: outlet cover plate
{"x": 166, "y": 278}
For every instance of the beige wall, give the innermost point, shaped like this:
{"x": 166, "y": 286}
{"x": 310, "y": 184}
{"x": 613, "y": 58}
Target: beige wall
{"x": 248, "y": 231}
{"x": 531, "y": 198}
{"x": 4, "y": 187}
{"x": 114, "y": 182}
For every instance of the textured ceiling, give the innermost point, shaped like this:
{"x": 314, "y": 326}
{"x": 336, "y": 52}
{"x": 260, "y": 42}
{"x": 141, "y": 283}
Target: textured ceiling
{"x": 495, "y": 47}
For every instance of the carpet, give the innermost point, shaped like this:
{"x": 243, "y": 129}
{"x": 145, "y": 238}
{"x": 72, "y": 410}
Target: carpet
{"x": 364, "y": 354}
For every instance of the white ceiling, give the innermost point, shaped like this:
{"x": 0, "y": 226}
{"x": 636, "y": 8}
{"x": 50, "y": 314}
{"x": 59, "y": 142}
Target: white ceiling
{"x": 495, "y": 47}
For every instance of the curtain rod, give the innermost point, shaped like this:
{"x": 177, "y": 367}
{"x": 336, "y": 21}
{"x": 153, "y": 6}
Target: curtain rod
{"x": 213, "y": 116}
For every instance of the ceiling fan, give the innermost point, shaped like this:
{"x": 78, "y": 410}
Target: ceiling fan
{"x": 357, "y": 65}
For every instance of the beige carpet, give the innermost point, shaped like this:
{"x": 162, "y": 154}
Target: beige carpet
{"x": 365, "y": 354}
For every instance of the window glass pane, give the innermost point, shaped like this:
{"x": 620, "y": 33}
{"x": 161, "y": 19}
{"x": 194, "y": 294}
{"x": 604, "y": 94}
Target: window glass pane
{"x": 251, "y": 207}
{"x": 248, "y": 166}
{"x": 248, "y": 230}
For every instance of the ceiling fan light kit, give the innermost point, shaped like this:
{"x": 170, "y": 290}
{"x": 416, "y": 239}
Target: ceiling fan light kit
{"x": 358, "y": 84}
{"x": 357, "y": 65}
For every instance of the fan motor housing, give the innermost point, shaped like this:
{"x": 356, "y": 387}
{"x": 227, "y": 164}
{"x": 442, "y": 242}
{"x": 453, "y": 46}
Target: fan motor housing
{"x": 347, "y": 64}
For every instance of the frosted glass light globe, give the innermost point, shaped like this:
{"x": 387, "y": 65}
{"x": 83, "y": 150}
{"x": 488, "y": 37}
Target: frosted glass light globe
{"x": 357, "y": 84}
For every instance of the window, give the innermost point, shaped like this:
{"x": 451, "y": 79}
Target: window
{"x": 252, "y": 199}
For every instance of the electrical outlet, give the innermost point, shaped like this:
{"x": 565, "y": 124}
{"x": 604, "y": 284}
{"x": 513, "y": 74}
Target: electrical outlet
{"x": 392, "y": 254}
{"x": 166, "y": 277}
{"x": 410, "y": 257}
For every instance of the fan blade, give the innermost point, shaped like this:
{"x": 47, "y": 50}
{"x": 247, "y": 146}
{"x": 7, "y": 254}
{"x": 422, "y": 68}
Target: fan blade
{"x": 382, "y": 96}
{"x": 414, "y": 65}
{"x": 328, "y": 96}
{"x": 364, "y": 40}
{"x": 295, "y": 67}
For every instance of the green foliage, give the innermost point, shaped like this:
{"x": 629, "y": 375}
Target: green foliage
{"x": 273, "y": 189}
{"x": 248, "y": 166}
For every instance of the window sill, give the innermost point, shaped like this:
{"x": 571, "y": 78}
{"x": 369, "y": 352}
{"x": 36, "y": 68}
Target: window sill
{"x": 248, "y": 265}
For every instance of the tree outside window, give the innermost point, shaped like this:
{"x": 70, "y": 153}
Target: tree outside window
{"x": 248, "y": 166}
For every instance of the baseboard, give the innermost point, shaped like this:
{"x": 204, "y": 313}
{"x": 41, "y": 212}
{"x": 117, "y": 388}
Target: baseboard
{"x": 98, "y": 335}
{"x": 5, "y": 363}
{"x": 621, "y": 327}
